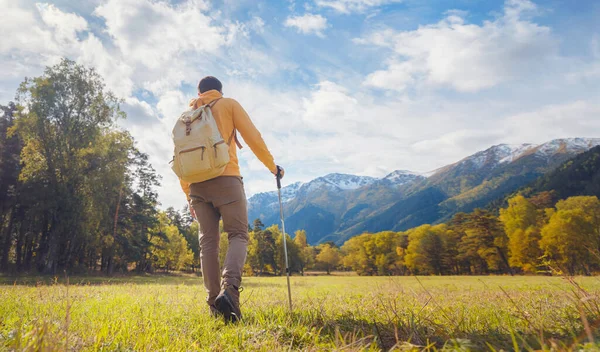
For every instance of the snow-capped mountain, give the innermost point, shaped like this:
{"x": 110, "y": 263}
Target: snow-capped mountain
{"x": 566, "y": 145}
{"x": 402, "y": 177}
{"x": 508, "y": 153}
{"x": 513, "y": 152}
{"x": 266, "y": 204}
{"x": 339, "y": 206}
{"x": 335, "y": 181}
{"x": 289, "y": 192}
{"x": 342, "y": 182}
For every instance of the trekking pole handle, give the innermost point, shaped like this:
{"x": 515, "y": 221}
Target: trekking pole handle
{"x": 278, "y": 176}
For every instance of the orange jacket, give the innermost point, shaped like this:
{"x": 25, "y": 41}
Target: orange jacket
{"x": 231, "y": 117}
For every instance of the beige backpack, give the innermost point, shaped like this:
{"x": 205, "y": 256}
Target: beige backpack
{"x": 201, "y": 153}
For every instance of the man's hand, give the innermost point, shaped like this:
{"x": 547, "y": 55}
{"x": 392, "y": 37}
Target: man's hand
{"x": 280, "y": 171}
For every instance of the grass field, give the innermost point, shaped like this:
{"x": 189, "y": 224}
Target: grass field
{"x": 168, "y": 313}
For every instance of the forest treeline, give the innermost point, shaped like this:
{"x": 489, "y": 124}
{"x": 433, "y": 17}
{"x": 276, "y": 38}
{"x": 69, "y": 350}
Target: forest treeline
{"x": 75, "y": 192}
{"x": 527, "y": 237}
{"x": 77, "y": 195}
{"x": 531, "y": 235}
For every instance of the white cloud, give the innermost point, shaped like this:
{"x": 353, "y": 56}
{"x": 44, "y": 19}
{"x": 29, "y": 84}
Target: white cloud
{"x": 349, "y": 6}
{"x": 117, "y": 73}
{"x": 26, "y": 35}
{"x": 257, "y": 24}
{"x": 308, "y": 24}
{"x": 328, "y": 105}
{"x": 153, "y": 137}
{"x": 579, "y": 118}
{"x": 466, "y": 57}
{"x": 152, "y": 33}
{"x": 66, "y": 25}
{"x": 148, "y": 48}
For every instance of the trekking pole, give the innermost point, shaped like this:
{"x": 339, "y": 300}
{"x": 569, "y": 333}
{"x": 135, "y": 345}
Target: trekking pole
{"x": 287, "y": 266}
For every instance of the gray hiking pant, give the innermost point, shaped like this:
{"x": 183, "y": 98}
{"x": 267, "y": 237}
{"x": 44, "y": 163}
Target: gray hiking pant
{"x": 221, "y": 197}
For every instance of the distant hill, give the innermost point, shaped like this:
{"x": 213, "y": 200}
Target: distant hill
{"x": 338, "y": 206}
{"x": 579, "y": 176}
{"x": 328, "y": 203}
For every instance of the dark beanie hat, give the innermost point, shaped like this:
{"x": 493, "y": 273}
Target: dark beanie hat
{"x": 209, "y": 83}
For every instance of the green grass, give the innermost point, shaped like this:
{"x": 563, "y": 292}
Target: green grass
{"x": 152, "y": 313}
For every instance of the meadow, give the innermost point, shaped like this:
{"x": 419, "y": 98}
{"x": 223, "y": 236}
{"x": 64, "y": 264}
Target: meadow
{"x": 168, "y": 313}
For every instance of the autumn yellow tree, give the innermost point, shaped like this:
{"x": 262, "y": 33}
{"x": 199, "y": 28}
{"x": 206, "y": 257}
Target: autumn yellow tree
{"x": 484, "y": 243}
{"x": 427, "y": 249}
{"x": 376, "y": 254}
{"x": 306, "y": 253}
{"x": 571, "y": 239}
{"x": 294, "y": 258}
{"x": 170, "y": 250}
{"x": 328, "y": 257}
{"x": 520, "y": 220}
{"x": 355, "y": 256}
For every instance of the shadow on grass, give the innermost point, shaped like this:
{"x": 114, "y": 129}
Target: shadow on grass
{"x": 347, "y": 332}
{"x": 92, "y": 280}
{"x": 127, "y": 279}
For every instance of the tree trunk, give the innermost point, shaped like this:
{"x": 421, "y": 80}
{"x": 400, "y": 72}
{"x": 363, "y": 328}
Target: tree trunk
{"x": 19, "y": 250}
{"x": 52, "y": 257}
{"x": 42, "y": 249}
{"x": 110, "y": 267}
{"x": 7, "y": 241}
{"x": 505, "y": 261}
{"x": 29, "y": 248}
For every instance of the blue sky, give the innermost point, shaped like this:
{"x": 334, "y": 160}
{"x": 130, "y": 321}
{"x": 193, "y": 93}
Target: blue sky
{"x": 352, "y": 86}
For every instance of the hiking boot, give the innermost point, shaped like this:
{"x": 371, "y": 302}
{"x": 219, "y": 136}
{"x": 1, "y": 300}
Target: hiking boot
{"x": 214, "y": 312}
{"x": 228, "y": 303}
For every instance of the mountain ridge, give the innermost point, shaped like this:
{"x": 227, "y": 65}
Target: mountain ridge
{"x": 338, "y": 206}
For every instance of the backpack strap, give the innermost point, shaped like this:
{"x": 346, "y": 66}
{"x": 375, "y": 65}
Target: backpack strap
{"x": 233, "y": 134}
{"x": 210, "y": 105}
{"x": 234, "y": 137}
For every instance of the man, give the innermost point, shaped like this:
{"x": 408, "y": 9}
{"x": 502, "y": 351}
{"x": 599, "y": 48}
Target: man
{"x": 224, "y": 197}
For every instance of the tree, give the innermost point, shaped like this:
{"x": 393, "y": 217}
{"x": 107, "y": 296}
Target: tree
{"x": 258, "y": 225}
{"x": 376, "y": 254}
{"x": 484, "y": 244}
{"x": 75, "y": 193}
{"x": 329, "y": 257}
{"x": 306, "y": 253}
{"x": 293, "y": 252}
{"x": 10, "y": 148}
{"x": 223, "y": 244}
{"x": 65, "y": 112}
{"x": 355, "y": 255}
{"x": 427, "y": 249}
{"x": 571, "y": 239}
{"x": 261, "y": 248}
{"x": 189, "y": 229}
{"x": 520, "y": 220}
{"x": 169, "y": 249}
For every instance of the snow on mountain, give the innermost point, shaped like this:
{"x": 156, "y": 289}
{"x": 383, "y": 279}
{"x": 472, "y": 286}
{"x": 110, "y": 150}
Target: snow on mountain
{"x": 401, "y": 177}
{"x": 346, "y": 182}
{"x": 513, "y": 152}
{"x": 495, "y": 155}
{"x": 339, "y": 182}
{"x": 336, "y": 182}
{"x": 507, "y": 153}
{"x": 567, "y": 145}
{"x": 289, "y": 192}
{"x": 491, "y": 157}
